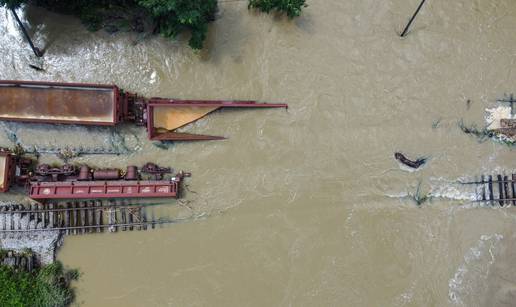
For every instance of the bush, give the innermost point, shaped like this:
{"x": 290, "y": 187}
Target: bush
{"x": 48, "y": 286}
{"x": 292, "y": 8}
{"x": 168, "y": 17}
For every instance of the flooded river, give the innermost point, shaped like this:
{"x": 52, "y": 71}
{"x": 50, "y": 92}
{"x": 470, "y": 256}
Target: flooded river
{"x": 305, "y": 207}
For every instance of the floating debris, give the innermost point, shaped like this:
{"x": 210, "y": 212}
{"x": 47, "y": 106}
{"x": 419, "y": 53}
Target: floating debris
{"x": 413, "y": 164}
{"x": 419, "y": 198}
{"x": 36, "y": 67}
{"x": 436, "y": 123}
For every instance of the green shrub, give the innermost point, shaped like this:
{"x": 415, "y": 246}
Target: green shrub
{"x": 45, "y": 287}
{"x": 292, "y": 8}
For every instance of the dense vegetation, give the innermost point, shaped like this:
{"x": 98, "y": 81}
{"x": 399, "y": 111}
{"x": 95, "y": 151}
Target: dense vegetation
{"x": 48, "y": 286}
{"x": 291, "y": 7}
{"x": 166, "y": 17}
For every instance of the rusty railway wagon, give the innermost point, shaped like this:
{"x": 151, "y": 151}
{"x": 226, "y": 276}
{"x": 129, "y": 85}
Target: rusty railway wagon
{"x": 45, "y": 182}
{"x": 107, "y": 105}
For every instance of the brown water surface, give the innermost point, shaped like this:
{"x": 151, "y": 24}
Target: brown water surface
{"x": 305, "y": 207}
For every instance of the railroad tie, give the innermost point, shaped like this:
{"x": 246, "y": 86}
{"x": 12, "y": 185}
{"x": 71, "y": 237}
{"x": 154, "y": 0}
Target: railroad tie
{"x": 98, "y": 214}
{"x": 483, "y": 187}
{"x": 75, "y": 223}
{"x": 51, "y": 215}
{"x": 130, "y": 219}
{"x": 500, "y": 190}
{"x": 67, "y": 218}
{"x": 513, "y": 189}
{"x": 45, "y": 217}
{"x": 82, "y": 217}
{"x": 3, "y": 217}
{"x": 123, "y": 215}
{"x": 143, "y": 215}
{"x": 41, "y": 215}
{"x": 89, "y": 219}
{"x": 506, "y": 190}
{"x": 490, "y": 188}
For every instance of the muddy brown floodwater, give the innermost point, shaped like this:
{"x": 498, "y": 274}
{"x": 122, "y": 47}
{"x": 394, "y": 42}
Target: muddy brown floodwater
{"x": 305, "y": 207}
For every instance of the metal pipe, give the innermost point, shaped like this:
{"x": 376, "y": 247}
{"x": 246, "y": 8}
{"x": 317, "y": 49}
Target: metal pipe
{"x": 412, "y": 19}
{"x": 35, "y": 49}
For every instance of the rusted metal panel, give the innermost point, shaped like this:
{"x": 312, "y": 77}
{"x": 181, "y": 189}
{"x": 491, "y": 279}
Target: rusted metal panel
{"x": 103, "y": 189}
{"x": 156, "y": 132}
{"x": 85, "y": 104}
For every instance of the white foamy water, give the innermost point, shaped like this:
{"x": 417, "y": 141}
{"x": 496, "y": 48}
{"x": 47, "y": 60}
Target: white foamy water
{"x": 470, "y": 277}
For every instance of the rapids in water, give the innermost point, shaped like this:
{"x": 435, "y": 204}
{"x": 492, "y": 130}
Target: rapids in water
{"x": 305, "y": 207}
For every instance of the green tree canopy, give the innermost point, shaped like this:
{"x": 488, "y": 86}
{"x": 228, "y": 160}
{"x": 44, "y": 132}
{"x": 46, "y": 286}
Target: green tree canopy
{"x": 167, "y": 17}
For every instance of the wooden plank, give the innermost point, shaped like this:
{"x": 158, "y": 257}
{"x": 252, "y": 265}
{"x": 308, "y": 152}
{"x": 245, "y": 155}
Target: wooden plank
{"x": 130, "y": 218}
{"x": 144, "y": 218}
{"x": 90, "y": 215}
{"x": 482, "y": 179}
{"x": 75, "y": 217}
{"x": 10, "y": 218}
{"x": 138, "y": 217}
{"x": 19, "y": 217}
{"x": 41, "y": 215}
{"x": 67, "y": 218}
{"x": 490, "y": 188}
{"x": 51, "y": 221}
{"x": 82, "y": 217}
{"x": 500, "y": 190}
{"x": 98, "y": 214}
{"x": 506, "y": 190}
{"x": 513, "y": 189}
{"x": 123, "y": 215}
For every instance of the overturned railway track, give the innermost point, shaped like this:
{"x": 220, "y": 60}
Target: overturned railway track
{"x": 76, "y": 218}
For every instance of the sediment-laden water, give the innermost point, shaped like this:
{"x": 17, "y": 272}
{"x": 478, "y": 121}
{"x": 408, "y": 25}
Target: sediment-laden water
{"x": 305, "y": 207}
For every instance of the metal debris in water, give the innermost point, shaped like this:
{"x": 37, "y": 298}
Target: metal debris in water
{"x": 68, "y": 153}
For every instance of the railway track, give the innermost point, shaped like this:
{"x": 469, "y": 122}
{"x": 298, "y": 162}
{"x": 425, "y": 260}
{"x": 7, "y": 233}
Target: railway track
{"x": 496, "y": 190}
{"x": 76, "y": 218}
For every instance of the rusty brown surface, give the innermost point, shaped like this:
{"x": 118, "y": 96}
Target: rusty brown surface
{"x": 57, "y": 103}
{"x": 164, "y": 135}
{"x": 3, "y": 171}
{"x": 508, "y": 123}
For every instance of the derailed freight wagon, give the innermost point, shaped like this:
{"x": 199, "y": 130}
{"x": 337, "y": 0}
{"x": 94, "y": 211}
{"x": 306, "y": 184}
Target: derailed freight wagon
{"x": 107, "y": 105}
{"x": 46, "y": 182}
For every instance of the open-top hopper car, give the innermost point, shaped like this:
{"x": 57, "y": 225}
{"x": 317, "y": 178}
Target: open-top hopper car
{"x": 107, "y": 105}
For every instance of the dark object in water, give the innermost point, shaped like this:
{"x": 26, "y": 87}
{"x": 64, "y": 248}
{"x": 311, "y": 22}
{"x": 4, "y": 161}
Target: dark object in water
{"x": 36, "y": 67}
{"x": 412, "y": 19}
{"x": 413, "y": 164}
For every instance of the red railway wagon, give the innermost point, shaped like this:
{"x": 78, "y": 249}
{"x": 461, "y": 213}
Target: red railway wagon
{"x": 107, "y": 105}
{"x": 61, "y": 103}
{"x": 45, "y": 182}
{"x": 103, "y": 189}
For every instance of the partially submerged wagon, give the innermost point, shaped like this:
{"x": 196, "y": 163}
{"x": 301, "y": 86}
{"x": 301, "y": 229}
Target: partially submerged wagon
{"x": 107, "y": 105}
{"x": 46, "y": 182}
